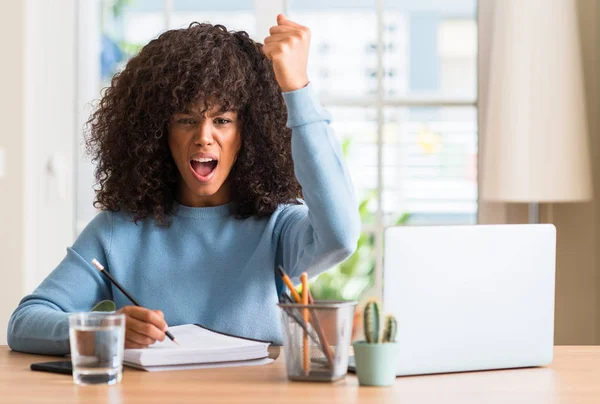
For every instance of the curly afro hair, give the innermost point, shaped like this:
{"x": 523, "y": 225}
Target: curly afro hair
{"x": 128, "y": 131}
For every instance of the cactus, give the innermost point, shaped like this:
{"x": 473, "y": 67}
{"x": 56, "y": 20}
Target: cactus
{"x": 390, "y": 328}
{"x": 371, "y": 322}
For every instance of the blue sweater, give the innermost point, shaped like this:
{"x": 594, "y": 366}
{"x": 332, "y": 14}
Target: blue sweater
{"x": 207, "y": 267}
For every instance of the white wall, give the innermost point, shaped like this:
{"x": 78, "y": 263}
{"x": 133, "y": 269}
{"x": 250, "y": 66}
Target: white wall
{"x": 38, "y": 111}
{"x": 12, "y": 190}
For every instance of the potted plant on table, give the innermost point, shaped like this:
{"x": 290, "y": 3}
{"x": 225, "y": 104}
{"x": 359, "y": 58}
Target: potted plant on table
{"x": 376, "y": 357}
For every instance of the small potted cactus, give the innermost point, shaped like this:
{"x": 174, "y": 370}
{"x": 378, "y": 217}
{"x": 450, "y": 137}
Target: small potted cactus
{"x": 376, "y": 357}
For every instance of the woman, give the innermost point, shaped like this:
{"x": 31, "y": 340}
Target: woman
{"x": 199, "y": 180}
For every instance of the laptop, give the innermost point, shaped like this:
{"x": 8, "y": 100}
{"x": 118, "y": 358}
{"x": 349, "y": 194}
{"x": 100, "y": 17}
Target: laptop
{"x": 470, "y": 297}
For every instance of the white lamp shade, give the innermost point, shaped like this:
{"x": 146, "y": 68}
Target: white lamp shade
{"x": 536, "y": 142}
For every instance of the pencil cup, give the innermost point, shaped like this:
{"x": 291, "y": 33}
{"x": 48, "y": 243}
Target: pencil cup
{"x": 317, "y": 349}
{"x": 97, "y": 341}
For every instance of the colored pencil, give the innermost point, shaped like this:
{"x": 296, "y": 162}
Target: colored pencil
{"x": 288, "y": 282}
{"x": 325, "y": 347}
{"x": 324, "y": 343}
{"x": 305, "y": 342}
{"x": 285, "y": 299}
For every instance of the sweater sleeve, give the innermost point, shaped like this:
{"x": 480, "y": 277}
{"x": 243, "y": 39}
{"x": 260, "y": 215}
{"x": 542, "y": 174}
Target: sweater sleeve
{"x": 324, "y": 231}
{"x": 40, "y": 323}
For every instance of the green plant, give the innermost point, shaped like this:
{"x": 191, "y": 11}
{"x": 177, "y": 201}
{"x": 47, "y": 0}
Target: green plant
{"x": 104, "y": 305}
{"x": 353, "y": 277}
{"x": 390, "y": 328}
{"x": 119, "y": 5}
{"x": 372, "y": 324}
{"x": 348, "y": 280}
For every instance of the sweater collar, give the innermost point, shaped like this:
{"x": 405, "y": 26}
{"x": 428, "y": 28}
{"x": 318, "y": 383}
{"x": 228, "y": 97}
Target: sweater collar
{"x": 206, "y": 212}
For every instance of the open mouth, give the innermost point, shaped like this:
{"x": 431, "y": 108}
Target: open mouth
{"x": 204, "y": 167}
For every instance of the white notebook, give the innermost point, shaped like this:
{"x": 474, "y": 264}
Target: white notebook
{"x": 198, "y": 347}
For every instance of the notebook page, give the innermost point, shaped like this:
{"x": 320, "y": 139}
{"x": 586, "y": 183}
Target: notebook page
{"x": 191, "y": 336}
{"x": 255, "y": 362}
{"x": 197, "y": 345}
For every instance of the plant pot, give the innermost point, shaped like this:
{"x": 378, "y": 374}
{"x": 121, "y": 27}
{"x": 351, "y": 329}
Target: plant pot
{"x": 376, "y": 363}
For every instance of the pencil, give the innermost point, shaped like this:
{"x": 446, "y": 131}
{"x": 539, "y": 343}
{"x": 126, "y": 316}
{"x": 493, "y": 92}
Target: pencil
{"x": 305, "y": 343}
{"x": 288, "y": 282}
{"x": 324, "y": 343}
{"x": 317, "y": 326}
{"x": 285, "y": 299}
{"x": 125, "y": 292}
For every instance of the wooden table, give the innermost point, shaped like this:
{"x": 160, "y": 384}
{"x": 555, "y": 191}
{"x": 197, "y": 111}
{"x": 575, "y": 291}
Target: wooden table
{"x": 573, "y": 377}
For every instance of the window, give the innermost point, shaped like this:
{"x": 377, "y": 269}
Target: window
{"x": 399, "y": 78}
{"x": 402, "y": 90}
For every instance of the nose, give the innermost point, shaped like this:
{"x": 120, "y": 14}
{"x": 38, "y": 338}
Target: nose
{"x": 203, "y": 136}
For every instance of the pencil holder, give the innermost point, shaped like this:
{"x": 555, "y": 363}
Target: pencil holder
{"x": 317, "y": 349}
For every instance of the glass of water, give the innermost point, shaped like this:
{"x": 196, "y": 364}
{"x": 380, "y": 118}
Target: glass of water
{"x": 97, "y": 342}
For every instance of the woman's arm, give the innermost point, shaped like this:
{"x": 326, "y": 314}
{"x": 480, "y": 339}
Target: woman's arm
{"x": 324, "y": 232}
{"x": 40, "y": 322}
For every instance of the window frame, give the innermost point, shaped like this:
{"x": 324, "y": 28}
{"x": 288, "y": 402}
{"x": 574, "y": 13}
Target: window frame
{"x": 380, "y": 102}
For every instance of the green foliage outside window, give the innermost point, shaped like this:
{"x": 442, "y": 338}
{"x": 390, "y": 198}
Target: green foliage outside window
{"x": 355, "y": 276}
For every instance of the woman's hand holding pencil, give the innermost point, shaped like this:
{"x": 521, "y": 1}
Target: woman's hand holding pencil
{"x": 143, "y": 326}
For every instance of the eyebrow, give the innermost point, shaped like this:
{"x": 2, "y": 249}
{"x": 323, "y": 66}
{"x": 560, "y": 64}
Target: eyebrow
{"x": 186, "y": 111}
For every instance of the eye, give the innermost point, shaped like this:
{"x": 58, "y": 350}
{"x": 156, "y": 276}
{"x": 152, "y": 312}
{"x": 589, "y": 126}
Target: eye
{"x": 221, "y": 121}
{"x": 186, "y": 121}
